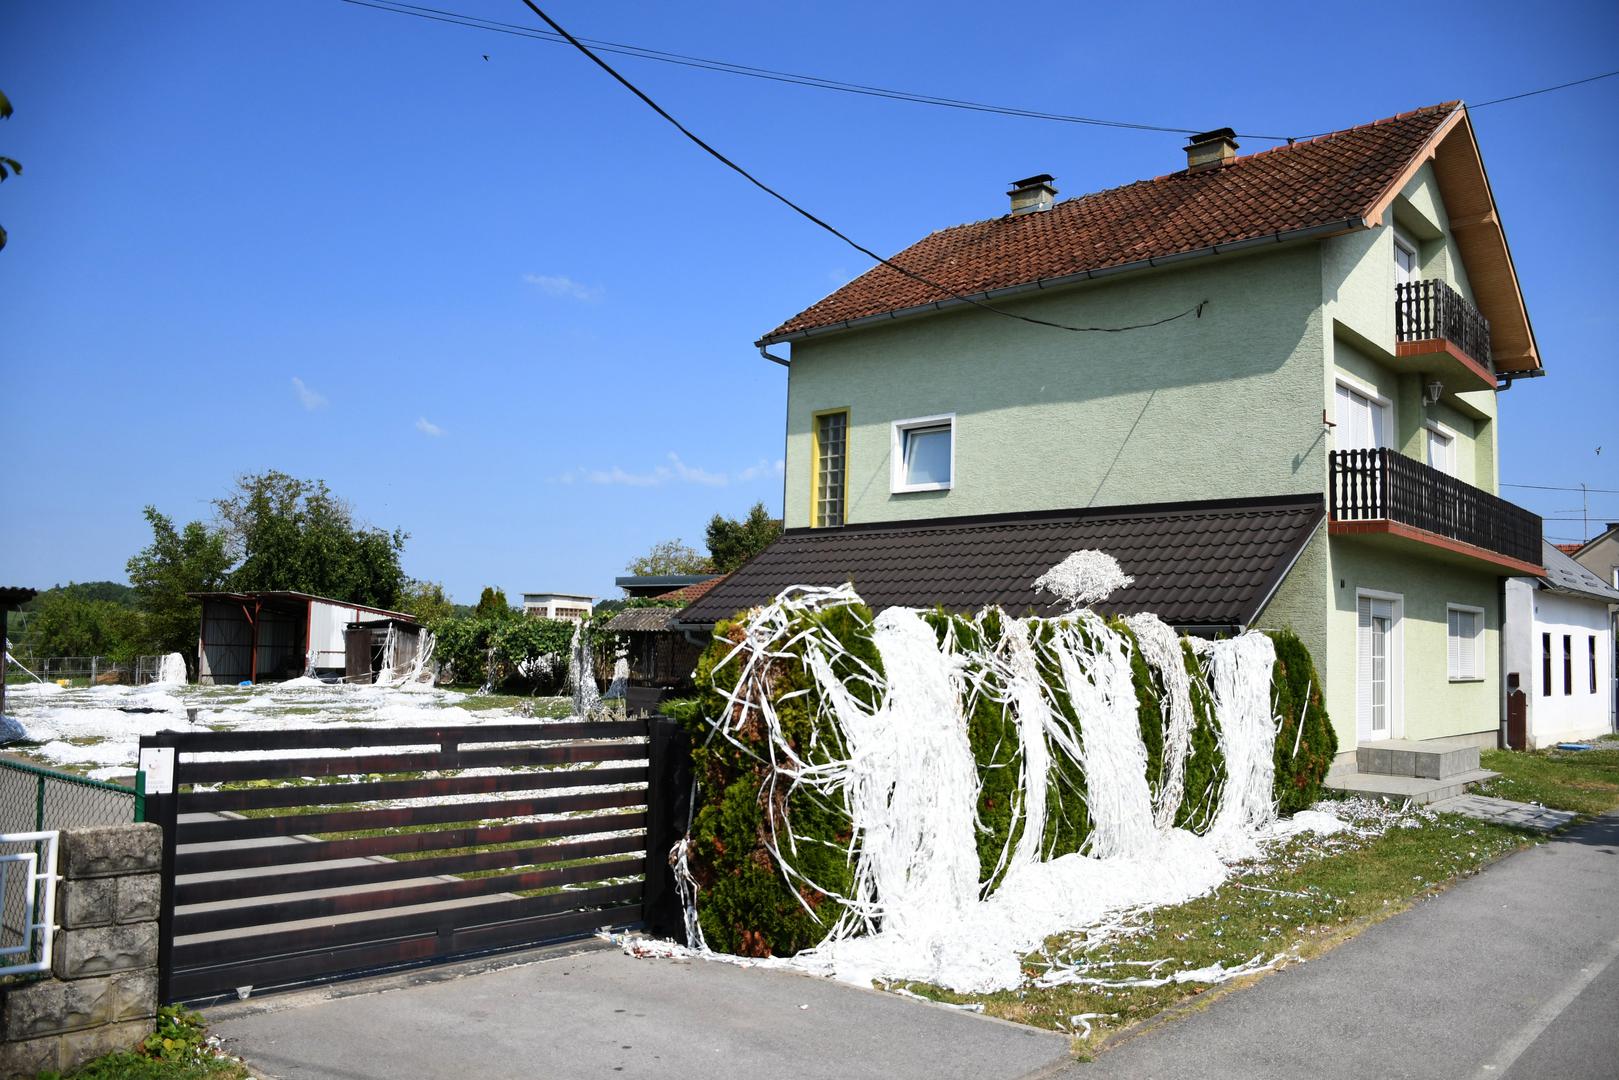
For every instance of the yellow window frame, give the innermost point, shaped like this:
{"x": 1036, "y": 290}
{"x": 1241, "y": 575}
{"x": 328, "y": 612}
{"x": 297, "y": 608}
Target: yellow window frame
{"x": 815, "y": 466}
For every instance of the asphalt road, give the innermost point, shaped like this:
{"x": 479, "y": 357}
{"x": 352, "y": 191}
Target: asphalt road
{"x": 1511, "y": 975}
{"x": 599, "y": 1013}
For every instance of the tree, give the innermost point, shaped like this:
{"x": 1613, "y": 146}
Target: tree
{"x": 669, "y": 557}
{"x": 425, "y": 600}
{"x": 174, "y": 563}
{"x": 732, "y": 543}
{"x": 8, "y": 166}
{"x": 293, "y": 534}
{"x": 492, "y": 604}
{"x": 65, "y": 623}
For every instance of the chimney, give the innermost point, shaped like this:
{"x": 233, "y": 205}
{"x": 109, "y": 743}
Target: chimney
{"x": 1032, "y": 194}
{"x": 1210, "y": 149}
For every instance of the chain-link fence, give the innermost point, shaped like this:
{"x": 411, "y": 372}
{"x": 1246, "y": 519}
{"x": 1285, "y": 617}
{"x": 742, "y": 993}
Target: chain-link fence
{"x": 34, "y": 799}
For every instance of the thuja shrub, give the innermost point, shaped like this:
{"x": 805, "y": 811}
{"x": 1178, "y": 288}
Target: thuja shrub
{"x": 1305, "y": 741}
{"x": 750, "y": 906}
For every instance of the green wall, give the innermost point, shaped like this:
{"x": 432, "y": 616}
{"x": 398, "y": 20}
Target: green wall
{"x": 1222, "y": 406}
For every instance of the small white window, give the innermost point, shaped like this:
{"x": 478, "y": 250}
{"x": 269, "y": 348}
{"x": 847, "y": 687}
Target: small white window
{"x": 924, "y": 454}
{"x": 1441, "y": 450}
{"x": 1465, "y": 643}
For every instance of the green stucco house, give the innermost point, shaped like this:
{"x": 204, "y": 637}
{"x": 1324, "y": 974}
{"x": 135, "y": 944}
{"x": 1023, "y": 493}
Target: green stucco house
{"x": 1266, "y": 383}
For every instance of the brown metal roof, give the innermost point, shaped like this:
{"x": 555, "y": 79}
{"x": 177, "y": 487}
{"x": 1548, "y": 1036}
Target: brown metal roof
{"x": 1202, "y": 564}
{"x": 13, "y": 595}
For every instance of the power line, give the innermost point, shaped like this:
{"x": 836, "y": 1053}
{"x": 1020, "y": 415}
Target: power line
{"x": 726, "y": 67}
{"x": 1556, "y": 487}
{"x": 1545, "y": 89}
{"x": 1196, "y": 309}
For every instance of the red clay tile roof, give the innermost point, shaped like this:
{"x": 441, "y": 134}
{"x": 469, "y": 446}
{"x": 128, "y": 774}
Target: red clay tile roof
{"x": 1319, "y": 182}
{"x": 688, "y": 593}
{"x": 1195, "y": 564}
{"x": 1568, "y": 549}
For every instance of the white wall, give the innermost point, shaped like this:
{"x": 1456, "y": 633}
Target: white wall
{"x": 1581, "y": 714}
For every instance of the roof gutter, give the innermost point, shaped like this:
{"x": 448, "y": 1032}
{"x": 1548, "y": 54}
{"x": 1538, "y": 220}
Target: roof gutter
{"x": 1314, "y": 232}
{"x": 1506, "y": 377}
{"x": 764, "y": 352}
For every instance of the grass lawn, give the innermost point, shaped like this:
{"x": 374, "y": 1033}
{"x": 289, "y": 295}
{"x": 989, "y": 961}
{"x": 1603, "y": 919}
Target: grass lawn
{"x": 1303, "y": 899}
{"x": 1584, "y": 781}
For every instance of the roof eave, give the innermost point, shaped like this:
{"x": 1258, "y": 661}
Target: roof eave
{"x": 1313, "y": 232}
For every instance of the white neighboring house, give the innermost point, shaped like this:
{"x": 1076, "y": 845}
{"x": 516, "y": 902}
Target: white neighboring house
{"x": 554, "y": 605}
{"x": 1557, "y": 635}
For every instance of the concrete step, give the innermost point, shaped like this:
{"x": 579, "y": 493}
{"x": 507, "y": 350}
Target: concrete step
{"x": 1418, "y": 789}
{"x": 1434, "y": 759}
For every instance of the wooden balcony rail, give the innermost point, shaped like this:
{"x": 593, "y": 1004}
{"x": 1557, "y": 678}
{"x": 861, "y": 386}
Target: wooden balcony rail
{"x": 1425, "y": 310}
{"x": 1385, "y": 485}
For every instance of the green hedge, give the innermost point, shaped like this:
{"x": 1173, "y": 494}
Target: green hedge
{"x": 747, "y": 906}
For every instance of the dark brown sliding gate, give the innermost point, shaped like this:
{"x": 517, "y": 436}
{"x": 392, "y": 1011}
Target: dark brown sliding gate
{"x": 292, "y": 856}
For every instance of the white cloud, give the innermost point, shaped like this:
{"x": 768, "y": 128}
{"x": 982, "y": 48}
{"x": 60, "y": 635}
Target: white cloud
{"x": 676, "y": 472}
{"x": 427, "y": 427}
{"x": 310, "y": 399}
{"x": 562, "y": 285}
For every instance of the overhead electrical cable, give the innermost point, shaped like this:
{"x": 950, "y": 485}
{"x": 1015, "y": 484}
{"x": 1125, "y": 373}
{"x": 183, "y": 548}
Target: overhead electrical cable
{"x": 1196, "y": 309}
{"x": 729, "y": 68}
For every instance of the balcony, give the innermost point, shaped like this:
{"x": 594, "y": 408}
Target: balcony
{"x": 1442, "y": 335}
{"x": 1384, "y": 493}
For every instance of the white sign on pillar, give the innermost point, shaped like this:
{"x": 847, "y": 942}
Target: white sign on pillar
{"x": 157, "y": 762}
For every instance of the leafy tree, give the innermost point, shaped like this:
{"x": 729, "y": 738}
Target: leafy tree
{"x": 193, "y": 559}
{"x": 8, "y": 166}
{"x": 669, "y": 557}
{"x": 732, "y": 543}
{"x": 68, "y": 624}
{"x": 295, "y": 534}
{"x": 492, "y": 604}
{"x": 425, "y": 600}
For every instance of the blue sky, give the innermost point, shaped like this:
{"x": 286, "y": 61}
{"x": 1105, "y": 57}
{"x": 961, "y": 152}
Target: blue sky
{"x": 502, "y": 306}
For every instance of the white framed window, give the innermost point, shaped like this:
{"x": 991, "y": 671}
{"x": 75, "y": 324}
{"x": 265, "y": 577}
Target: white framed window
{"x": 1442, "y": 449}
{"x": 1379, "y": 665}
{"x": 924, "y": 454}
{"x": 1363, "y": 418}
{"x": 1405, "y": 260}
{"x": 1464, "y": 643}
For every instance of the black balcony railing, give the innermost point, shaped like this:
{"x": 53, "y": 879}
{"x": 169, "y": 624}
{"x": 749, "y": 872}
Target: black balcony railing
{"x": 1424, "y": 310}
{"x": 1385, "y": 485}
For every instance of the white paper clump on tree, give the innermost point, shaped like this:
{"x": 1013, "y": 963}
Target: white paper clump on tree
{"x": 904, "y": 773}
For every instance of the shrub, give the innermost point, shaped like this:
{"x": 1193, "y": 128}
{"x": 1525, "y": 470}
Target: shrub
{"x": 748, "y": 906}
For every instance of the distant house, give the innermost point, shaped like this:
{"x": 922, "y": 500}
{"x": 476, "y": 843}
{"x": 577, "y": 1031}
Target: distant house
{"x": 662, "y": 655}
{"x": 270, "y": 636}
{"x": 650, "y": 585}
{"x": 1600, "y": 554}
{"x": 1558, "y": 632}
{"x": 573, "y": 607}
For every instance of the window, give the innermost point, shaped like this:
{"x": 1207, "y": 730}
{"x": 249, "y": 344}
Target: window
{"x": 1568, "y": 664}
{"x": 1441, "y": 450}
{"x": 924, "y": 454}
{"x": 1592, "y": 641}
{"x": 831, "y": 454}
{"x": 1405, "y": 261}
{"x": 1362, "y": 420}
{"x": 1545, "y": 665}
{"x": 1464, "y": 643}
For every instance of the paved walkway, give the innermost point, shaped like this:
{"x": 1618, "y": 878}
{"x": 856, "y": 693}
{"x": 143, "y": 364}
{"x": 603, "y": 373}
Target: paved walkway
{"x": 1506, "y": 812}
{"x": 1510, "y": 975}
{"x": 599, "y": 1013}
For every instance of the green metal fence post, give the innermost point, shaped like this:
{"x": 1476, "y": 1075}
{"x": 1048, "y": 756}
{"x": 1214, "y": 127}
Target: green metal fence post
{"x": 39, "y": 804}
{"x": 140, "y": 796}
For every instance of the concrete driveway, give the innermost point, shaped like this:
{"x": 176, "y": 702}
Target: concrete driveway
{"x": 594, "y": 1012}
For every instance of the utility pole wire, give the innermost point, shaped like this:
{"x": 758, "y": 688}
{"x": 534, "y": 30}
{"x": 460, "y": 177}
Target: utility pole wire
{"x": 1196, "y": 309}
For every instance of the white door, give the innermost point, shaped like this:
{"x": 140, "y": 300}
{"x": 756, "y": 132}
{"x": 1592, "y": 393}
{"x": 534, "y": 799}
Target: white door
{"x": 1376, "y": 669}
